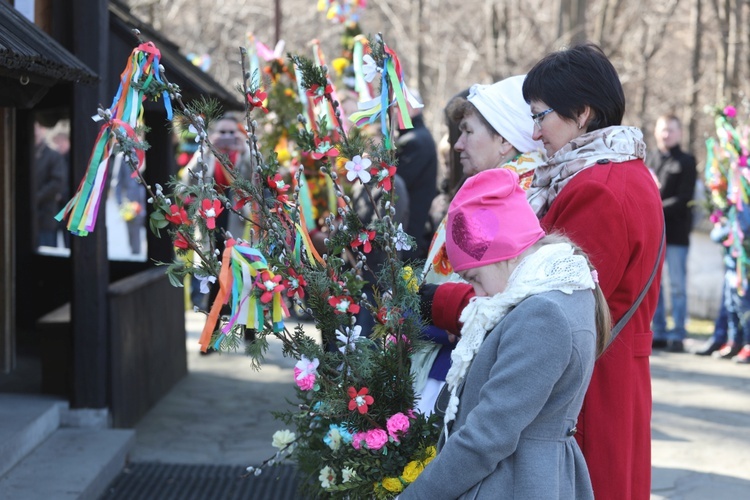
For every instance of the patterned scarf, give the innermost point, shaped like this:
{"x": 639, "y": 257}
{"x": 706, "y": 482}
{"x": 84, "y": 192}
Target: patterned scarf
{"x": 614, "y": 144}
{"x": 551, "y": 267}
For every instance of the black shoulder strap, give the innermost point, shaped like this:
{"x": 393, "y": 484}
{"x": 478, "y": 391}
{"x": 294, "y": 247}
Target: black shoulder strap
{"x": 624, "y": 320}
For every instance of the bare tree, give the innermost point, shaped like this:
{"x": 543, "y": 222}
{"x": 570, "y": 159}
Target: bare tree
{"x": 695, "y": 71}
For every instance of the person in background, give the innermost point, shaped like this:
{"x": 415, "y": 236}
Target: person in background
{"x": 527, "y": 349}
{"x": 676, "y": 173}
{"x": 597, "y": 190}
{"x": 494, "y": 131}
{"x": 417, "y": 166}
{"x": 48, "y": 181}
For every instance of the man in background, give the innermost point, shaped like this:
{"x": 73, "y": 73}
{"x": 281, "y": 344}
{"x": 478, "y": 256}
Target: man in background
{"x": 676, "y": 173}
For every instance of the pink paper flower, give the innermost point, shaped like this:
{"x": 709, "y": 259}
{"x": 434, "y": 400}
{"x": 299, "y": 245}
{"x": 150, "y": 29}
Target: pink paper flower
{"x": 376, "y": 438}
{"x": 305, "y": 372}
{"x": 397, "y": 425}
{"x": 357, "y": 439}
{"x": 730, "y": 111}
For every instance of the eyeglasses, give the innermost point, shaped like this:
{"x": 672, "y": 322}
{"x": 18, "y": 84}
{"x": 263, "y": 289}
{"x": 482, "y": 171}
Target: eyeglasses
{"x": 540, "y": 116}
{"x": 225, "y": 132}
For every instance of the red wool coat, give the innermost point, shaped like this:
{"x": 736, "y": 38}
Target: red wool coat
{"x": 614, "y": 213}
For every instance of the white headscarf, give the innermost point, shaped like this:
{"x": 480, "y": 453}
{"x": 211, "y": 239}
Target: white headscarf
{"x": 503, "y": 106}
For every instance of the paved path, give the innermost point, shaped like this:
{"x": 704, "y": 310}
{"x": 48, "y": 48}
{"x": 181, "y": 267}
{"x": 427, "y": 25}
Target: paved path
{"x": 220, "y": 414}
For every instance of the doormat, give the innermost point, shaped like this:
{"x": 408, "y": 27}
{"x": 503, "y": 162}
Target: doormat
{"x": 159, "y": 481}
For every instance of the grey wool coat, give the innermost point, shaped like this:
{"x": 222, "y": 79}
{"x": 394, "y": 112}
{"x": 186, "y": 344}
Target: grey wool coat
{"x": 512, "y": 437}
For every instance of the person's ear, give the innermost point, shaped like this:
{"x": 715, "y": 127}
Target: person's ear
{"x": 584, "y": 117}
{"x": 505, "y": 147}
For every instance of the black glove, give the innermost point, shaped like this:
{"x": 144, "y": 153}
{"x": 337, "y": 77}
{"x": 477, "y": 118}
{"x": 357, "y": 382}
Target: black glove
{"x": 426, "y": 294}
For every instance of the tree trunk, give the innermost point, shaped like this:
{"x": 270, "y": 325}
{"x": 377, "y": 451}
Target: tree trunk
{"x": 695, "y": 73}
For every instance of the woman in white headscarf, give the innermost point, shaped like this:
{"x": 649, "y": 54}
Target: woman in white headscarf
{"x": 496, "y": 131}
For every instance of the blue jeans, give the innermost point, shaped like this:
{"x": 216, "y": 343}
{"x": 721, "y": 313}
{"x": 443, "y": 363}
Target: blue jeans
{"x": 676, "y": 262}
{"x": 738, "y": 310}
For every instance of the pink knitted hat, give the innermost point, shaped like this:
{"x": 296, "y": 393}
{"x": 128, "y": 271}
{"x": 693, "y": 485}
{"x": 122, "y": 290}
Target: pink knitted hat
{"x": 489, "y": 221}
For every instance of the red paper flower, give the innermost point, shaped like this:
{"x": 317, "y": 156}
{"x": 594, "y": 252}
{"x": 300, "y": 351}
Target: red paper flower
{"x": 363, "y": 239}
{"x": 384, "y": 175}
{"x": 242, "y": 201}
{"x": 177, "y": 215}
{"x": 210, "y": 210}
{"x": 324, "y": 147}
{"x": 269, "y": 285}
{"x": 343, "y": 304}
{"x": 181, "y": 242}
{"x": 384, "y": 315}
{"x": 295, "y": 283}
{"x": 360, "y": 401}
{"x": 317, "y": 92}
{"x": 255, "y": 99}
{"x": 277, "y": 182}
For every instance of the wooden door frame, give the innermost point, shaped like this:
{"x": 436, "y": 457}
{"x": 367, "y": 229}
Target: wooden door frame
{"x": 7, "y": 241}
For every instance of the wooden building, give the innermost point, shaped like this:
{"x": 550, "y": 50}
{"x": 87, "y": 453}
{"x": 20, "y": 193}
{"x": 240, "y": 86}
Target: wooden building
{"x": 103, "y": 334}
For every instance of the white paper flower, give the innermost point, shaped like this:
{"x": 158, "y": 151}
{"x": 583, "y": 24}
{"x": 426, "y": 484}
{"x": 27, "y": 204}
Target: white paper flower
{"x": 349, "y": 338}
{"x": 370, "y": 68}
{"x": 358, "y": 168}
{"x": 347, "y": 474}
{"x": 306, "y": 367}
{"x": 283, "y": 438}
{"x": 401, "y": 240}
{"x": 327, "y": 477}
{"x": 205, "y": 287}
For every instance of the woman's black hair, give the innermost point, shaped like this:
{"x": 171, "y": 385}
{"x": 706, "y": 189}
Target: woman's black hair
{"x": 571, "y": 79}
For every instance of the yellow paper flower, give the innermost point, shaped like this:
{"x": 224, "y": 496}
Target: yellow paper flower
{"x": 411, "y": 471}
{"x": 340, "y": 64}
{"x": 431, "y": 452}
{"x": 393, "y": 484}
{"x": 411, "y": 282}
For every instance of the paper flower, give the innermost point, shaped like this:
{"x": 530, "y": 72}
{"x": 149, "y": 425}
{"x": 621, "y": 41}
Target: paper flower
{"x": 357, "y": 439}
{"x": 318, "y": 92}
{"x": 370, "y": 68}
{"x": 343, "y": 304}
{"x": 412, "y": 470}
{"x": 305, "y": 373}
{"x": 393, "y": 484}
{"x": 327, "y": 477}
{"x": 255, "y": 100}
{"x": 384, "y": 175}
{"x": 177, "y": 215}
{"x": 359, "y": 401}
{"x": 270, "y": 285}
{"x": 376, "y": 439}
{"x": 363, "y": 239}
{"x": 730, "y": 111}
{"x": 397, "y": 425}
{"x": 277, "y": 182}
{"x": 295, "y": 284}
{"x": 210, "y": 210}
{"x": 324, "y": 147}
{"x": 401, "y": 239}
{"x": 357, "y": 169}
{"x": 181, "y": 242}
{"x": 349, "y": 338}
{"x": 347, "y": 474}
{"x": 407, "y": 274}
{"x": 336, "y": 436}
{"x": 283, "y": 438}
{"x": 205, "y": 288}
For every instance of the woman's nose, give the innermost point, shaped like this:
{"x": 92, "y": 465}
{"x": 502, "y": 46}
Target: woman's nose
{"x": 537, "y": 135}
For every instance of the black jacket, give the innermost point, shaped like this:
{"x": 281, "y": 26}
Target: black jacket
{"x": 677, "y": 174}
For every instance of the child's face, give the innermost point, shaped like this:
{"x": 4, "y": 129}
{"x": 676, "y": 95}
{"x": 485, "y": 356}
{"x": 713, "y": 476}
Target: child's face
{"x": 488, "y": 280}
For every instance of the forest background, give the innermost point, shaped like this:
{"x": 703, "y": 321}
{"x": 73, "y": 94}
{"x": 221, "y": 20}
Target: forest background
{"x": 676, "y": 56}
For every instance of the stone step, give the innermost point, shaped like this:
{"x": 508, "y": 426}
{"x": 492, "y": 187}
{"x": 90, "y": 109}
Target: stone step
{"x": 71, "y": 464}
{"x": 25, "y": 422}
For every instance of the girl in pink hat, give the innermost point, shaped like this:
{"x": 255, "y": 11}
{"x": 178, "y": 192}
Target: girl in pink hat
{"x": 525, "y": 356}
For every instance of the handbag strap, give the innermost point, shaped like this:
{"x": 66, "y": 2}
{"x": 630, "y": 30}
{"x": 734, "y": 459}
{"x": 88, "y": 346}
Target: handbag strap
{"x": 624, "y": 320}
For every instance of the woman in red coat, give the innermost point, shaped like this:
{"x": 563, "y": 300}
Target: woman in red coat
{"x": 596, "y": 189}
